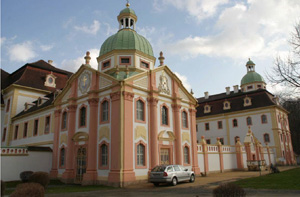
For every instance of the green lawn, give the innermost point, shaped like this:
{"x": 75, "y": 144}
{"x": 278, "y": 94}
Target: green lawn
{"x": 288, "y": 180}
{"x": 56, "y": 186}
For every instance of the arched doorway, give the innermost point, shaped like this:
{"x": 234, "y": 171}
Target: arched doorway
{"x": 80, "y": 139}
{"x": 80, "y": 163}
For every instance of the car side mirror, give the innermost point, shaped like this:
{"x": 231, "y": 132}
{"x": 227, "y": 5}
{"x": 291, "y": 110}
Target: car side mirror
{"x": 186, "y": 170}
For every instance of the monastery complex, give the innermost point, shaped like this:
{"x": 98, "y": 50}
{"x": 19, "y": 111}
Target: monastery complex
{"x": 113, "y": 125}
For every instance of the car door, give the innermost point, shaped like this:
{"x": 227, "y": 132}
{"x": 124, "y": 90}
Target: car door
{"x": 179, "y": 173}
{"x": 185, "y": 174}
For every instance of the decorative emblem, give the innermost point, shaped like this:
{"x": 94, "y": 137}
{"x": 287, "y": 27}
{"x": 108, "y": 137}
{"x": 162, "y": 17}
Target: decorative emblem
{"x": 84, "y": 82}
{"x": 163, "y": 85}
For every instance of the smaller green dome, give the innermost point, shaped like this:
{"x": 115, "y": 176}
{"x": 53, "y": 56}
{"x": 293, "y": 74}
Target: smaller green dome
{"x": 252, "y": 77}
{"x": 127, "y": 10}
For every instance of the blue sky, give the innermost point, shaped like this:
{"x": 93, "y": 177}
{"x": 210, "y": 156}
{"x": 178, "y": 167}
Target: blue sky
{"x": 206, "y": 42}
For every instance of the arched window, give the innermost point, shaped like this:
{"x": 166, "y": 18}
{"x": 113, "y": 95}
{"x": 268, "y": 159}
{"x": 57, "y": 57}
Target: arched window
{"x": 267, "y": 137}
{"x": 184, "y": 120}
{"x": 82, "y": 120}
{"x": 249, "y": 121}
{"x": 104, "y": 155}
{"x": 234, "y": 123}
{"x": 264, "y": 119}
{"x": 64, "y": 120}
{"x": 104, "y": 115}
{"x": 140, "y": 114}
{"x": 62, "y": 157}
{"x": 140, "y": 155}
{"x": 186, "y": 155}
{"x": 164, "y": 115}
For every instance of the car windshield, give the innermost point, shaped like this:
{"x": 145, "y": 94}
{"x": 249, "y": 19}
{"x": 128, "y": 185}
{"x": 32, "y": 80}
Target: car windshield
{"x": 158, "y": 169}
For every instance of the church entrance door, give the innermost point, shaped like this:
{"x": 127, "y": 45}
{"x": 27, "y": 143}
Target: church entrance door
{"x": 164, "y": 156}
{"x": 81, "y": 164}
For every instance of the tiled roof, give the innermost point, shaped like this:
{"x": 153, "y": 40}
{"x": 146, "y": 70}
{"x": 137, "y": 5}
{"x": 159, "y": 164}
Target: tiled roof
{"x": 36, "y": 107}
{"x": 34, "y": 75}
{"x": 259, "y": 98}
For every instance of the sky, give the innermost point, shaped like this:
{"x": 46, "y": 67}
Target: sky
{"x": 205, "y": 42}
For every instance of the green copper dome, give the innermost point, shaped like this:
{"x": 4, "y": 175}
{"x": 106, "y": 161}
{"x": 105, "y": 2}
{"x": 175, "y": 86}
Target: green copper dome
{"x": 126, "y": 39}
{"x": 251, "y": 77}
{"x": 127, "y": 10}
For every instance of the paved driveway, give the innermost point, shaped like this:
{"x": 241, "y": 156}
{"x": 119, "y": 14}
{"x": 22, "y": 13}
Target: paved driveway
{"x": 203, "y": 186}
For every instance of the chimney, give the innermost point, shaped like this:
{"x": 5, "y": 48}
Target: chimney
{"x": 206, "y": 95}
{"x": 227, "y": 90}
{"x": 236, "y": 88}
{"x": 50, "y": 62}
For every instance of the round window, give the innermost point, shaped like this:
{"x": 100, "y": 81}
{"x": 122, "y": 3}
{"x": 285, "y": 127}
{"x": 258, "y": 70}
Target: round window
{"x": 50, "y": 80}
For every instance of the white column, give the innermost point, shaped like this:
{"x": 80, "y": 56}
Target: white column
{"x": 133, "y": 24}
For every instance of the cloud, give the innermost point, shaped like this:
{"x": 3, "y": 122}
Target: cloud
{"x": 46, "y": 47}
{"x": 74, "y": 64}
{"x": 21, "y": 52}
{"x": 68, "y": 22}
{"x": 92, "y": 29}
{"x": 198, "y": 9}
{"x": 2, "y": 40}
{"x": 109, "y": 29}
{"x": 244, "y": 30}
{"x": 184, "y": 81}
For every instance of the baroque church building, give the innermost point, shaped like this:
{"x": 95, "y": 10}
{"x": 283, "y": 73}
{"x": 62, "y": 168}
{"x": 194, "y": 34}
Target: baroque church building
{"x": 114, "y": 124}
{"x": 110, "y": 125}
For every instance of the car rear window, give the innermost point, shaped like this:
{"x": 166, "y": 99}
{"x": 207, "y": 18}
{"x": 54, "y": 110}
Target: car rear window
{"x": 158, "y": 169}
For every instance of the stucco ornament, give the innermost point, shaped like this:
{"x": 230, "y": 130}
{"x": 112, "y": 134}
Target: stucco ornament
{"x": 163, "y": 86}
{"x": 84, "y": 82}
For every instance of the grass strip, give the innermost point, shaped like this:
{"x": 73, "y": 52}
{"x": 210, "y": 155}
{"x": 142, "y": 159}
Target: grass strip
{"x": 288, "y": 180}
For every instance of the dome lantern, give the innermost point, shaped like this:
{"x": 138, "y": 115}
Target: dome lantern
{"x": 127, "y": 18}
{"x": 250, "y": 66}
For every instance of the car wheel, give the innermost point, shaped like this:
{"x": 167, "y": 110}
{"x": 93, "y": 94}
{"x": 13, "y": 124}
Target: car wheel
{"x": 192, "y": 179}
{"x": 174, "y": 181}
{"x": 156, "y": 184}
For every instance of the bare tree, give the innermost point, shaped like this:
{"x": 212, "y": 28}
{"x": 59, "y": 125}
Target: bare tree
{"x": 286, "y": 71}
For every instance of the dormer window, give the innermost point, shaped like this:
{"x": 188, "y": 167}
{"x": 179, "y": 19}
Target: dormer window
{"x": 27, "y": 106}
{"x": 226, "y": 105}
{"x": 50, "y": 80}
{"x": 41, "y": 100}
{"x": 207, "y": 108}
{"x": 247, "y": 101}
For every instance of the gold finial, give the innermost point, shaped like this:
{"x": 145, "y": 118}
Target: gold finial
{"x": 127, "y": 4}
{"x": 87, "y": 58}
{"x": 161, "y": 58}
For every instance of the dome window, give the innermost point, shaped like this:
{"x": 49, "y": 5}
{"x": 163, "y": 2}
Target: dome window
{"x": 105, "y": 64}
{"x": 125, "y": 60}
{"x": 144, "y": 64}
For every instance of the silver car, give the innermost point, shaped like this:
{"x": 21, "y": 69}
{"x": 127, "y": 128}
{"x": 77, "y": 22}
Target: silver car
{"x": 170, "y": 174}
